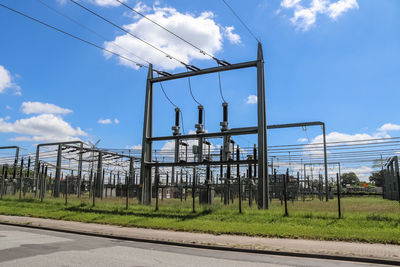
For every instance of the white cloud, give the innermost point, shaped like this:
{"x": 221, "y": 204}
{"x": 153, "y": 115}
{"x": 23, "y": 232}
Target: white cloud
{"x": 44, "y": 127}
{"x": 304, "y": 17}
{"x": 251, "y": 99}
{"x": 289, "y": 3}
{"x": 104, "y": 121}
{"x": 338, "y": 137}
{"x": 106, "y": 2}
{"x": 136, "y": 147}
{"x": 232, "y": 37}
{"x": 108, "y": 121}
{"x": 389, "y": 127}
{"x": 40, "y": 108}
{"x": 302, "y": 140}
{"x": 6, "y": 82}
{"x": 201, "y": 30}
{"x": 8, "y": 107}
{"x": 362, "y": 172}
{"x": 340, "y": 7}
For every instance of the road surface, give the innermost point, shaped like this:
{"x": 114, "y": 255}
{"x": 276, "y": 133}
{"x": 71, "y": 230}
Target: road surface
{"x": 20, "y": 246}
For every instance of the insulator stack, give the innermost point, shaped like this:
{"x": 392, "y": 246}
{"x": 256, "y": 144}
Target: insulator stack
{"x": 224, "y": 122}
{"x": 176, "y": 128}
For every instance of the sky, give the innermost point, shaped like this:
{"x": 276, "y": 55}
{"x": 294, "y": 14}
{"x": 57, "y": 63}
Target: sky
{"x": 334, "y": 61}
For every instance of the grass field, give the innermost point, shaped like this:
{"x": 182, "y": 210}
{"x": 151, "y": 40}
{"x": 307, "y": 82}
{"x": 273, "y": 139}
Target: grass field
{"x": 365, "y": 219}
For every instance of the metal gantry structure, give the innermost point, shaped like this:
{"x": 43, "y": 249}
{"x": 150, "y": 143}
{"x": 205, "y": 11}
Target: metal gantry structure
{"x": 147, "y": 162}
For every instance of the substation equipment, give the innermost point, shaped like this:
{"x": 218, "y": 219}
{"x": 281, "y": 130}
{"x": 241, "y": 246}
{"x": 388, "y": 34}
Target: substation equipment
{"x": 39, "y": 180}
{"x": 391, "y": 185}
{"x": 150, "y": 166}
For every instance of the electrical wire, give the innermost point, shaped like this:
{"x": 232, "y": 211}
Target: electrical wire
{"x": 166, "y": 96}
{"x": 220, "y": 87}
{"x": 220, "y": 62}
{"x": 73, "y": 36}
{"x": 191, "y": 93}
{"x": 131, "y": 34}
{"x": 89, "y": 29}
{"x": 241, "y": 21}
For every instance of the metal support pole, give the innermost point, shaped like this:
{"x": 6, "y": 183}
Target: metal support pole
{"x": 238, "y": 177}
{"x": 157, "y": 184}
{"x": 80, "y": 171}
{"x": 20, "y": 177}
{"x": 250, "y": 181}
{"x": 194, "y": 190}
{"x": 338, "y": 195}
{"x": 263, "y": 181}
{"x": 285, "y": 180}
{"x": 58, "y": 171}
{"x": 325, "y": 164}
{"x": 41, "y": 183}
{"x": 127, "y": 190}
{"x": 15, "y": 166}
{"x": 102, "y": 183}
{"x": 99, "y": 175}
{"x": 67, "y": 187}
{"x": 93, "y": 190}
{"x": 36, "y": 169}
{"x": 145, "y": 177}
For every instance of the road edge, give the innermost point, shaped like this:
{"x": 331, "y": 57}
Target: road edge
{"x": 213, "y": 247}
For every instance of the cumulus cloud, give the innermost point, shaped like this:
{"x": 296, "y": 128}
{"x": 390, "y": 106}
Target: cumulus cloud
{"x": 302, "y": 140}
{"x": 41, "y": 128}
{"x": 6, "y": 82}
{"x": 362, "y": 172}
{"x": 104, "y": 121}
{"x": 109, "y": 3}
{"x": 136, "y": 147}
{"x": 201, "y": 30}
{"x": 232, "y": 37}
{"x": 304, "y": 17}
{"x": 338, "y": 137}
{"x": 40, "y": 108}
{"x": 339, "y": 7}
{"x": 389, "y": 127}
{"x": 289, "y": 3}
{"x": 251, "y": 99}
{"x": 108, "y": 121}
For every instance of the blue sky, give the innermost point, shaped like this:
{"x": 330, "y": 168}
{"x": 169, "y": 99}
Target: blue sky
{"x": 335, "y": 61}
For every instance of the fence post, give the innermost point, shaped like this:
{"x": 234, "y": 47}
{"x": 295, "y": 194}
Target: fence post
{"x": 285, "y": 190}
{"x": 338, "y": 194}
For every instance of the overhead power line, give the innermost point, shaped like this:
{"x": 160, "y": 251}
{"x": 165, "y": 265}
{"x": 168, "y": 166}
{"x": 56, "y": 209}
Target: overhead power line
{"x": 190, "y": 67}
{"x": 241, "y": 21}
{"x": 89, "y": 29}
{"x": 75, "y": 37}
{"x": 220, "y": 62}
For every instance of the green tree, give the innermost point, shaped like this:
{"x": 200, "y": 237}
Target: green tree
{"x": 349, "y": 178}
{"x": 377, "y": 177}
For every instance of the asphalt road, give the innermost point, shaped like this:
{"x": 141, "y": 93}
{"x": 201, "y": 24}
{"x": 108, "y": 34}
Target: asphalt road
{"x": 20, "y": 246}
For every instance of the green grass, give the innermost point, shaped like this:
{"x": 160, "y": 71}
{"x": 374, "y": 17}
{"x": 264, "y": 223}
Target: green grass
{"x": 365, "y": 219}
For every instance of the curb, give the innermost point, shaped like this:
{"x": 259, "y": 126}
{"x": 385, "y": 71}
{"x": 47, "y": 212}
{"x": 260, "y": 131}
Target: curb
{"x": 215, "y": 247}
